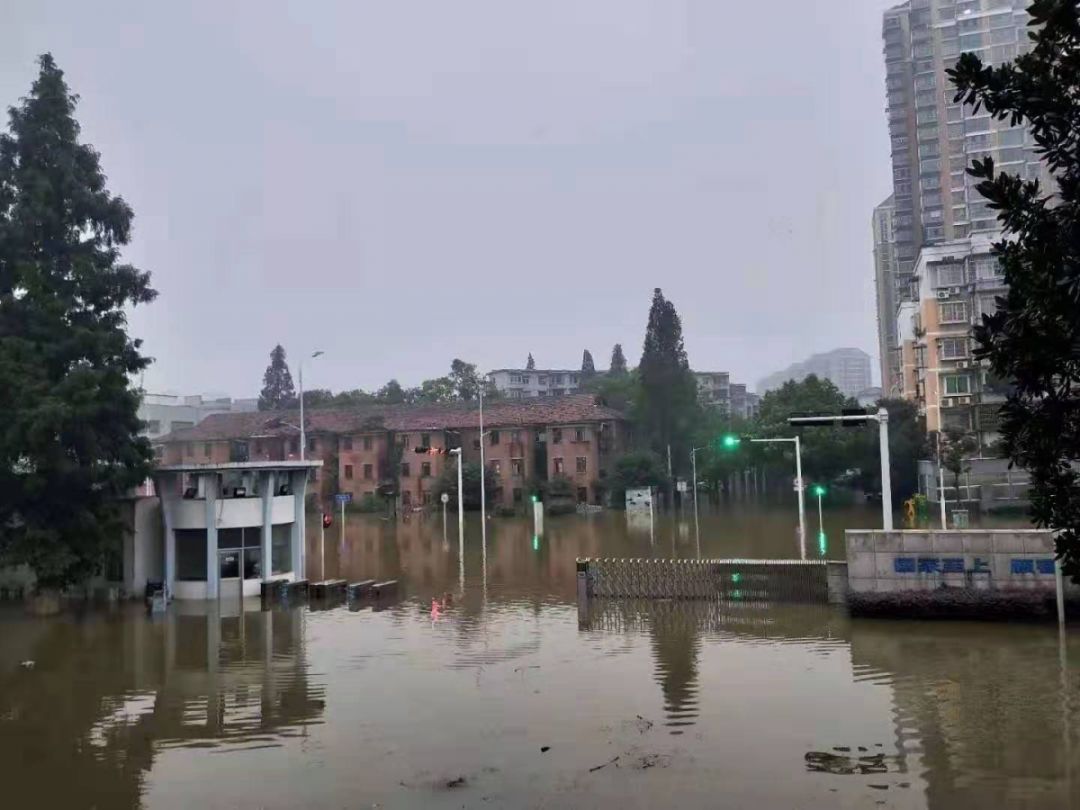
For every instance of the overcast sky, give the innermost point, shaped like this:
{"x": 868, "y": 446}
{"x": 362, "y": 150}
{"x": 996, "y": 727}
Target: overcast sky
{"x": 400, "y": 183}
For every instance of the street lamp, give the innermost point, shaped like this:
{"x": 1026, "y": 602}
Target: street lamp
{"x": 483, "y": 474}
{"x": 693, "y": 465}
{"x": 819, "y": 491}
{"x": 303, "y": 434}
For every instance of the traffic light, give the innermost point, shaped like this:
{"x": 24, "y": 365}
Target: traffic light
{"x": 430, "y": 451}
{"x": 818, "y": 490}
{"x": 729, "y": 441}
{"x": 536, "y": 542}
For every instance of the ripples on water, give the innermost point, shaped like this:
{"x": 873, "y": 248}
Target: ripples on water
{"x": 494, "y": 689}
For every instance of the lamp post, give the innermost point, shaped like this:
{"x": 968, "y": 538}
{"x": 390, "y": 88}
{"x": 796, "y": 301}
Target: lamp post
{"x": 483, "y": 473}
{"x": 798, "y": 487}
{"x": 819, "y": 490}
{"x": 693, "y": 467}
{"x": 303, "y": 434}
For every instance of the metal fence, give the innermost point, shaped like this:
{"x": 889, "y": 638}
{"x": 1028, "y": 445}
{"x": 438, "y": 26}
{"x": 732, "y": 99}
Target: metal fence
{"x": 727, "y": 580}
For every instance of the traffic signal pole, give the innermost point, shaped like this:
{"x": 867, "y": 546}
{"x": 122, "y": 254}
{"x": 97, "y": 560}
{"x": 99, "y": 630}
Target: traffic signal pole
{"x": 798, "y": 487}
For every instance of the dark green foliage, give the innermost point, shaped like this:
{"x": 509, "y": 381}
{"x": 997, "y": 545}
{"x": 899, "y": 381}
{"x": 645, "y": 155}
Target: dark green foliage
{"x": 432, "y": 392}
{"x": 588, "y": 367}
{"x": 668, "y": 403}
{"x": 69, "y": 444}
{"x": 470, "y": 478}
{"x": 618, "y": 361}
{"x": 1033, "y": 339}
{"x": 391, "y": 394}
{"x": 277, "y": 391}
{"x": 465, "y": 379}
{"x": 907, "y": 444}
{"x": 638, "y": 469}
{"x": 559, "y": 487}
{"x": 618, "y": 391}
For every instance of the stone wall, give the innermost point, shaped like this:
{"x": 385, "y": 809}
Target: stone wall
{"x": 953, "y": 574}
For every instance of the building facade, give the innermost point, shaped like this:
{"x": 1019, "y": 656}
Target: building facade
{"x": 958, "y": 282}
{"x": 401, "y": 450}
{"x": 521, "y": 383}
{"x": 933, "y": 140}
{"x": 714, "y": 389}
{"x": 163, "y": 413}
{"x": 847, "y": 369}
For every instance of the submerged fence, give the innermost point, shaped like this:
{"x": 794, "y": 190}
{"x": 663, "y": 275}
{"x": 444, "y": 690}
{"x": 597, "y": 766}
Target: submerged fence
{"x": 728, "y": 580}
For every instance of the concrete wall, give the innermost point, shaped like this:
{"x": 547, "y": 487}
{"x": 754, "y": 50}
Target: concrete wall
{"x": 967, "y": 573}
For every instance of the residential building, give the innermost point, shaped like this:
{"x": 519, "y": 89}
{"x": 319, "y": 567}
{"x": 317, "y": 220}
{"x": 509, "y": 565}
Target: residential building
{"x": 378, "y": 449}
{"x": 714, "y": 389}
{"x": 934, "y": 139}
{"x": 744, "y": 404}
{"x": 164, "y": 413}
{"x": 848, "y": 369}
{"x": 869, "y": 397}
{"x": 520, "y": 383}
{"x": 958, "y": 283}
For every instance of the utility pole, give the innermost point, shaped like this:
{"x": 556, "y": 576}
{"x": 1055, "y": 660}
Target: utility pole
{"x": 941, "y": 481}
{"x": 483, "y": 473}
{"x": 303, "y": 433}
{"x": 798, "y": 486}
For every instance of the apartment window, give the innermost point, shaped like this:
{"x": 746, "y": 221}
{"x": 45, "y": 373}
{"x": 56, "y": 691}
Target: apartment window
{"x": 348, "y": 472}
{"x": 573, "y": 379}
{"x": 312, "y": 444}
{"x": 517, "y": 467}
{"x": 543, "y": 379}
{"x": 525, "y": 379}
{"x": 405, "y": 469}
{"x": 582, "y": 464}
{"x": 367, "y": 442}
{"x": 956, "y": 384}
{"x": 515, "y": 378}
{"x": 987, "y": 304}
{"x": 541, "y": 393}
{"x": 425, "y": 440}
{"x": 556, "y": 379}
{"x": 558, "y": 466}
{"x": 403, "y": 441}
{"x": 368, "y": 472}
{"x": 476, "y": 444}
{"x": 518, "y": 495}
{"x": 952, "y": 312}
{"x": 294, "y": 446}
{"x": 987, "y": 267}
{"x": 346, "y": 443}
{"x": 953, "y": 348}
{"x": 579, "y": 435}
{"x": 496, "y": 468}
{"x": 583, "y": 495}
{"x": 494, "y": 437}
{"x": 950, "y": 275}
{"x": 556, "y": 435}
{"x": 207, "y": 449}
{"x": 425, "y": 469}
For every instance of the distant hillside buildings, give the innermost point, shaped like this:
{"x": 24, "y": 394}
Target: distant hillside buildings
{"x": 164, "y": 413}
{"x": 847, "y": 369}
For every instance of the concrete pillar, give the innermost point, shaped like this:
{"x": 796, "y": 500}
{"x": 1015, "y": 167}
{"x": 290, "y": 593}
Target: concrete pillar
{"x": 166, "y": 487}
{"x": 213, "y": 568}
{"x": 267, "y": 490}
{"x": 298, "y": 484}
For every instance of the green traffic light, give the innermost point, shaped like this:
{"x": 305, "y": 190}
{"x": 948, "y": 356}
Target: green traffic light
{"x": 823, "y": 544}
{"x": 534, "y": 498}
{"x": 729, "y": 441}
{"x": 819, "y": 490}
{"x": 536, "y": 542}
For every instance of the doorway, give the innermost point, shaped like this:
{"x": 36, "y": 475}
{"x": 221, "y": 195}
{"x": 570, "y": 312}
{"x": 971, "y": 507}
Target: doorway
{"x": 230, "y": 581}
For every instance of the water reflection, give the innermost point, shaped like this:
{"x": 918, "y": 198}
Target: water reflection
{"x": 109, "y": 692}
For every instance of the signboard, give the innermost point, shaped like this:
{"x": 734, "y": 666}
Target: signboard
{"x": 444, "y": 498}
{"x": 639, "y": 500}
{"x": 343, "y": 497}
{"x": 681, "y": 485}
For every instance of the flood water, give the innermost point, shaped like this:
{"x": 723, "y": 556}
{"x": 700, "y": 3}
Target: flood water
{"x": 484, "y": 687}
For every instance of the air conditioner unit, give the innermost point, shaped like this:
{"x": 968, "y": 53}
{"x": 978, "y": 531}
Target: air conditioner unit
{"x": 942, "y": 294}
{"x": 963, "y": 364}
{"x": 963, "y": 400}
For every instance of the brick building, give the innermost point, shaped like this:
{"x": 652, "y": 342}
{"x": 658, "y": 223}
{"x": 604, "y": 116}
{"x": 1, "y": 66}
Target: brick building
{"x": 364, "y": 449}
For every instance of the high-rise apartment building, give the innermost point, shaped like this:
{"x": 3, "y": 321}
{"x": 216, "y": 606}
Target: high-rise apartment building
{"x": 932, "y": 262}
{"x": 848, "y": 369}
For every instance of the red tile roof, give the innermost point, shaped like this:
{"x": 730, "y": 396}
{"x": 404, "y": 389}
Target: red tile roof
{"x": 566, "y": 410}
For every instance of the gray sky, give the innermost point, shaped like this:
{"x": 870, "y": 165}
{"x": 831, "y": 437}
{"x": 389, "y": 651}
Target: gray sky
{"x": 401, "y": 183}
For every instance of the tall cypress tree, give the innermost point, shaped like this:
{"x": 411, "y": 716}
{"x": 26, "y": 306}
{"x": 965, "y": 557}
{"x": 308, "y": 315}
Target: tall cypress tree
{"x": 668, "y": 398}
{"x": 1033, "y": 338}
{"x": 588, "y": 367}
{"x": 277, "y": 391}
{"x": 69, "y": 443}
{"x": 618, "y": 360}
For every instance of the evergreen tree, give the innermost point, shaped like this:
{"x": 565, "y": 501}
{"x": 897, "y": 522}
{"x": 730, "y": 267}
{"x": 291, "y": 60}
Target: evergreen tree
{"x": 530, "y": 364}
{"x": 668, "y": 395}
{"x": 588, "y": 367}
{"x": 466, "y": 380}
{"x": 1033, "y": 339}
{"x": 277, "y": 391}
{"x": 618, "y": 360}
{"x": 69, "y": 443}
{"x": 391, "y": 394}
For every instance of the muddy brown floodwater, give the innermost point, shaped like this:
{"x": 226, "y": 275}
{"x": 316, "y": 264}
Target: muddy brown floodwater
{"x": 483, "y": 687}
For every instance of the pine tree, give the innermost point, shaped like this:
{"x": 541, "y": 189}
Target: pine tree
{"x": 530, "y": 364}
{"x": 588, "y": 367}
{"x": 668, "y": 397}
{"x": 1033, "y": 339}
{"x": 618, "y": 360}
{"x": 277, "y": 390}
{"x": 69, "y": 438}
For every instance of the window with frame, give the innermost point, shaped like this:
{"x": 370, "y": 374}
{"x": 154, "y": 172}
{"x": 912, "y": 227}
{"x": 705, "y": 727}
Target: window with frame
{"x": 525, "y": 379}
{"x": 496, "y": 467}
{"x": 579, "y": 435}
{"x": 953, "y": 348}
{"x": 367, "y": 442}
{"x": 517, "y": 467}
{"x": 558, "y": 462}
{"x": 425, "y": 469}
{"x": 403, "y": 441}
{"x": 582, "y": 464}
{"x": 425, "y": 440}
{"x": 556, "y": 435}
{"x": 368, "y": 472}
{"x": 405, "y": 471}
{"x": 987, "y": 267}
{"x": 956, "y": 384}
{"x": 346, "y": 443}
{"x": 312, "y": 444}
{"x": 494, "y": 437}
{"x": 952, "y": 311}
{"x": 950, "y": 275}
{"x": 348, "y": 472}
{"x": 543, "y": 379}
